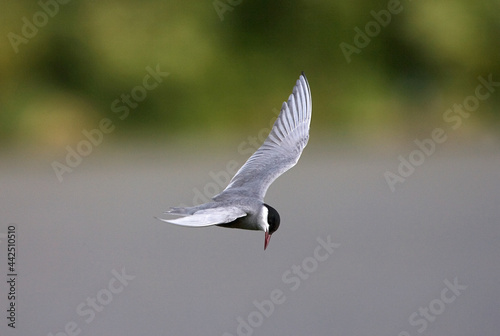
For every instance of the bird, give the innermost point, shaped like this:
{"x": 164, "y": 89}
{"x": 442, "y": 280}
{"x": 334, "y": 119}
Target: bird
{"x": 241, "y": 204}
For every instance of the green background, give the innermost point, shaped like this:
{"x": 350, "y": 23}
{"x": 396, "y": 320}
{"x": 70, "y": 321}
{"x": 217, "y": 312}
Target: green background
{"x": 230, "y": 71}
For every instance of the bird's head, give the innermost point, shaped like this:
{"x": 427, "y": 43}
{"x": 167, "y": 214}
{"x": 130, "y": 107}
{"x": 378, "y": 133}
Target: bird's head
{"x": 271, "y": 220}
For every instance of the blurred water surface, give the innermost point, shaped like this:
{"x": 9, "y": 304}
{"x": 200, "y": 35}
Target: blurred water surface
{"x": 397, "y": 250}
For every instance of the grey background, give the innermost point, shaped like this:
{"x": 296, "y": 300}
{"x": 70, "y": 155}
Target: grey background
{"x": 396, "y": 248}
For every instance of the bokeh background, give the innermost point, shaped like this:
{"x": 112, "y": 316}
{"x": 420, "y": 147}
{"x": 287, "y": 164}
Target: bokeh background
{"x": 230, "y": 66}
{"x": 227, "y": 75}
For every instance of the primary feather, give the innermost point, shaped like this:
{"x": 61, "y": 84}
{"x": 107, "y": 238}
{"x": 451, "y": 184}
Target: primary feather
{"x": 280, "y": 151}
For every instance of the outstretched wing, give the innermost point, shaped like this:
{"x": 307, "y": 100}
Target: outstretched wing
{"x": 208, "y": 217}
{"x": 280, "y": 151}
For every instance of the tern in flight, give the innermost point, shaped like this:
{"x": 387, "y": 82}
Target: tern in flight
{"x": 241, "y": 205}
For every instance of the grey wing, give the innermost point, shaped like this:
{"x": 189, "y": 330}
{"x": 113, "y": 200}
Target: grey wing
{"x": 208, "y": 217}
{"x": 280, "y": 151}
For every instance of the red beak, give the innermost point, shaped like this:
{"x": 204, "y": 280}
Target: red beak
{"x": 267, "y": 239}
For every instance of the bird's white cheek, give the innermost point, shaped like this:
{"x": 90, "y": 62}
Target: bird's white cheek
{"x": 263, "y": 219}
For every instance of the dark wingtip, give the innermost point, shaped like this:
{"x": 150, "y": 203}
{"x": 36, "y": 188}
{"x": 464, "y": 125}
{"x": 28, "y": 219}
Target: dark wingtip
{"x": 305, "y": 78}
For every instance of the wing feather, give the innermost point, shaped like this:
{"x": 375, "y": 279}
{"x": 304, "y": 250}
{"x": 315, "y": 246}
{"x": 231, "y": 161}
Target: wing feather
{"x": 280, "y": 151}
{"x": 208, "y": 217}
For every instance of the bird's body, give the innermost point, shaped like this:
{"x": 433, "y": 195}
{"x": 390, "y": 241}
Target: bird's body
{"x": 241, "y": 205}
{"x": 238, "y": 213}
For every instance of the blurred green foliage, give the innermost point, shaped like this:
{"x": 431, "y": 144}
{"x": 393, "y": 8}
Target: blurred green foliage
{"x": 228, "y": 75}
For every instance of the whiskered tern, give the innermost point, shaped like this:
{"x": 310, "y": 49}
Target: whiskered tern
{"x": 241, "y": 205}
